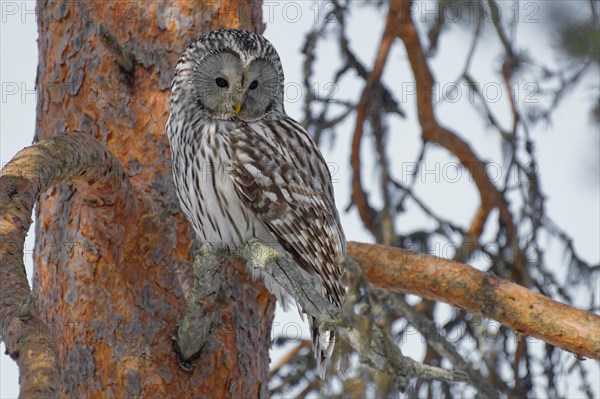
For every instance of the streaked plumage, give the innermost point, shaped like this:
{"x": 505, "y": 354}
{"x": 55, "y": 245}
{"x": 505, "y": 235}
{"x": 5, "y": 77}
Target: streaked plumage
{"x": 244, "y": 169}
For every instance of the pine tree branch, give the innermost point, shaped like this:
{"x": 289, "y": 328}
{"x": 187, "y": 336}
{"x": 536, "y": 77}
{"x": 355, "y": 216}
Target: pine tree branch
{"x": 467, "y": 288}
{"x": 78, "y": 158}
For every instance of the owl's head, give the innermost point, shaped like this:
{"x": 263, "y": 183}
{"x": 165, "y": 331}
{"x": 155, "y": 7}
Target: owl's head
{"x": 229, "y": 74}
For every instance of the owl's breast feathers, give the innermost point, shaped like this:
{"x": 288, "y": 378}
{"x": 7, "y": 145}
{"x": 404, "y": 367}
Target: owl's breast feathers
{"x": 238, "y": 180}
{"x": 280, "y": 174}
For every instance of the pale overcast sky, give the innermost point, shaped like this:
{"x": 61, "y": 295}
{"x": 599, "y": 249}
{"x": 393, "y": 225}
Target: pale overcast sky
{"x": 567, "y": 150}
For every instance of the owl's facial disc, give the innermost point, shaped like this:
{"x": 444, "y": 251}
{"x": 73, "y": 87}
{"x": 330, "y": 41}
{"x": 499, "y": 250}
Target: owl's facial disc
{"x": 218, "y": 84}
{"x": 228, "y": 90}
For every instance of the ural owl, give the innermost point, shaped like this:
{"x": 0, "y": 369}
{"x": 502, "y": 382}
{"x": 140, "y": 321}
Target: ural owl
{"x": 244, "y": 170}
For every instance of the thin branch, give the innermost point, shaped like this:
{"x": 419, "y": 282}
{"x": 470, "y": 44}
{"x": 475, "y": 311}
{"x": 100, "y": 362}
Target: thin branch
{"x": 433, "y": 131}
{"x": 444, "y": 223}
{"x": 440, "y": 345}
{"x": 290, "y": 355}
{"x": 359, "y": 197}
{"x": 497, "y": 21}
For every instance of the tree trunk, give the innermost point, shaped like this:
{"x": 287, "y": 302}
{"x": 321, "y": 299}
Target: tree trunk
{"x": 112, "y": 275}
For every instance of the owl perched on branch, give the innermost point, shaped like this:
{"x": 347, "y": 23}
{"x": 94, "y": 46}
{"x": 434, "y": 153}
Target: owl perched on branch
{"x": 244, "y": 170}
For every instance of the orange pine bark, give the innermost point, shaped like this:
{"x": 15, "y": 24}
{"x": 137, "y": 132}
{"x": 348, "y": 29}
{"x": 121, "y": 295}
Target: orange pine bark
{"x": 465, "y": 287}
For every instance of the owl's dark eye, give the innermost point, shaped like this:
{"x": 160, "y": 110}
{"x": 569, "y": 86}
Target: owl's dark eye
{"x": 221, "y": 82}
{"x": 253, "y": 85}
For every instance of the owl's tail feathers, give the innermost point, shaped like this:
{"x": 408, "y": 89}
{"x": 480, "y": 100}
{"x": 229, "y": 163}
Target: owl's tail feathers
{"x": 323, "y": 345}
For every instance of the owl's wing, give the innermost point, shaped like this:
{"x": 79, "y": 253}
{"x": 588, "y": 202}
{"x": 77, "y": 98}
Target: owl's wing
{"x": 279, "y": 173}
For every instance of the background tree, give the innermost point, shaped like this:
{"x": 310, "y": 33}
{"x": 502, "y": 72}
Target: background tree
{"x": 113, "y": 254}
{"x": 511, "y": 203}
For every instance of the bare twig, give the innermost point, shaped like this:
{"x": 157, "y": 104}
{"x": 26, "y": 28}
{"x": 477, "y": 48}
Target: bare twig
{"x": 359, "y": 197}
{"x": 436, "y": 341}
{"x": 291, "y": 354}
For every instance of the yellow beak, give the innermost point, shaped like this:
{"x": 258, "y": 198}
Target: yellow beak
{"x": 237, "y": 107}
